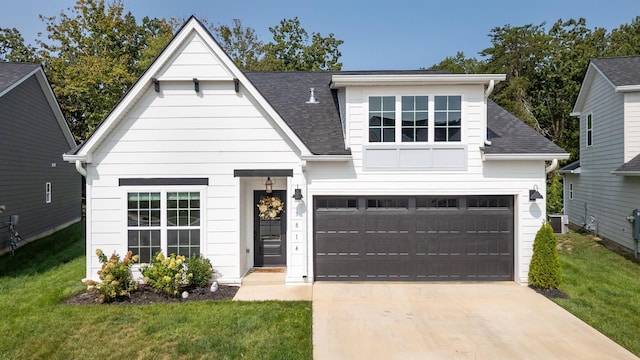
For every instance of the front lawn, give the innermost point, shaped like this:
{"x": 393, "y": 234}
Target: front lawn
{"x": 604, "y": 288}
{"x": 35, "y": 324}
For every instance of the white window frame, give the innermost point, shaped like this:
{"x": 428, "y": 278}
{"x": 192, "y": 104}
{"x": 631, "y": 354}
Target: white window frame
{"x": 47, "y": 192}
{"x": 589, "y": 129}
{"x": 570, "y": 191}
{"x": 431, "y": 115}
{"x": 164, "y": 190}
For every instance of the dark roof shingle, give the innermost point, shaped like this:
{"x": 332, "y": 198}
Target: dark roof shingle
{"x": 317, "y": 125}
{"x": 621, "y": 70}
{"x": 10, "y": 72}
{"x": 509, "y": 135}
{"x": 632, "y": 165}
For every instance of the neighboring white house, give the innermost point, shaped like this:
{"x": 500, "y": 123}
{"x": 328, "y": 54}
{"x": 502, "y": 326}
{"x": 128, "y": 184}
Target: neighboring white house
{"x": 401, "y": 175}
{"x": 603, "y": 188}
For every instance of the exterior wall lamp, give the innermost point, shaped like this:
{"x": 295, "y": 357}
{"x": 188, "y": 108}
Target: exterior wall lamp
{"x": 534, "y": 194}
{"x": 297, "y": 195}
{"x": 268, "y": 185}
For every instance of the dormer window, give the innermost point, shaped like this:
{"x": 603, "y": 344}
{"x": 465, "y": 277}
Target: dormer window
{"x": 417, "y": 118}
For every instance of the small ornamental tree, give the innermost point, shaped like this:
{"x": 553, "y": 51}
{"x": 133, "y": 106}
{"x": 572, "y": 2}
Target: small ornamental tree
{"x": 545, "y": 271}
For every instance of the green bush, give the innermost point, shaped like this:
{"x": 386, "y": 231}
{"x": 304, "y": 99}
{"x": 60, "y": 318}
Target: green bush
{"x": 115, "y": 277}
{"x": 545, "y": 271}
{"x": 165, "y": 274}
{"x": 199, "y": 271}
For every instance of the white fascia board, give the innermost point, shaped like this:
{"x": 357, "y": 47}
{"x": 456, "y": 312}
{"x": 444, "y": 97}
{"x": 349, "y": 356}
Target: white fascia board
{"x": 560, "y": 156}
{"x": 628, "y": 88}
{"x": 145, "y": 81}
{"x": 575, "y": 114}
{"x": 338, "y": 81}
{"x": 326, "y": 157}
{"x": 626, "y": 173}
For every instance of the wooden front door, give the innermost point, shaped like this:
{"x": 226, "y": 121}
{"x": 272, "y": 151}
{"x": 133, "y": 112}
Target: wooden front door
{"x": 269, "y": 236}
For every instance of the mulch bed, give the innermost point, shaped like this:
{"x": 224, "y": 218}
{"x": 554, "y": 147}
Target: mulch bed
{"x": 550, "y": 293}
{"x": 147, "y": 295}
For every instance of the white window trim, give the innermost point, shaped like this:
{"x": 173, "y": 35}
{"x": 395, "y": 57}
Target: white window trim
{"x": 163, "y": 190}
{"x": 431, "y": 124}
{"x": 588, "y": 129}
{"x": 47, "y": 192}
{"x": 570, "y": 191}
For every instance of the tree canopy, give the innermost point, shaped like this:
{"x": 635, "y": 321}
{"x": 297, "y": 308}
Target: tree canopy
{"x": 545, "y": 66}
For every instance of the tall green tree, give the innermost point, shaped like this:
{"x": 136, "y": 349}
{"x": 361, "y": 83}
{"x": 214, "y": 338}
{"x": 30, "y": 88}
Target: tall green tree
{"x": 292, "y": 50}
{"x": 94, "y": 54}
{"x": 241, "y": 44}
{"x": 460, "y": 64}
{"x": 13, "y": 47}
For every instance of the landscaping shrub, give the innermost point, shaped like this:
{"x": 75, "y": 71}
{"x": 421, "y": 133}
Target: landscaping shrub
{"x": 545, "y": 271}
{"x": 166, "y": 274}
{"x": 199, "y": 271}
{"x": 115, "y": 277}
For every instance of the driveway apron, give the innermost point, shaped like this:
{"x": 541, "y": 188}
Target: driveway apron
{"x": 449, "y": 321}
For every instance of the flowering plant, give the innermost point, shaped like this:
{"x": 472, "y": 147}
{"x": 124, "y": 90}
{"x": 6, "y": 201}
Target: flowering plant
{"x": 166, "y": 274}
{"x": 115, "y": 276}
{"x": 270, "y": 207}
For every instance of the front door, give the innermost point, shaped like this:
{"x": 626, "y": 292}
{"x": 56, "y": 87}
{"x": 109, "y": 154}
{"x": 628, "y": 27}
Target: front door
{"x": 269, "y": 235}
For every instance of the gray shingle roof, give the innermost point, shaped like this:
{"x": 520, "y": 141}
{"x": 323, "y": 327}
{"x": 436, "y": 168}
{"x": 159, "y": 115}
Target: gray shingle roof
{"x": 509, "y": 135}
{"x": 570, "y": 167}
{"x": 632, "y": 165}
{"x": 10, "y": 72}
{"x": 317, "y": 125}
{"x": 621, "y": 71}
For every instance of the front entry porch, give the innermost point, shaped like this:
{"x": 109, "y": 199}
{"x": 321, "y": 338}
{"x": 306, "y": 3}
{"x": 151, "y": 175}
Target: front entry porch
{"x": 270, "y": 285}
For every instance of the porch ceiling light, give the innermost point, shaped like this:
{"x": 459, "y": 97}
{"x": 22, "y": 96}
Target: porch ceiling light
{"x": 269, "y": 185}
{"x": 534, "y": 194}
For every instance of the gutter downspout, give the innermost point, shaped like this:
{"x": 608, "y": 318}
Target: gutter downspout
{"x": 553, "y": 166}
{"x": 488, "y": 92}
{"x": 81, "y": 169}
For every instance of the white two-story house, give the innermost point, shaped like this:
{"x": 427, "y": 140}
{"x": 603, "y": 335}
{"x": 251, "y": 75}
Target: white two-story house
{"x": 383, "y": 175}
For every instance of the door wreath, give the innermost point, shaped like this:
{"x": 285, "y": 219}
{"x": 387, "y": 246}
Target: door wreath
{"x": 270, "y": 207}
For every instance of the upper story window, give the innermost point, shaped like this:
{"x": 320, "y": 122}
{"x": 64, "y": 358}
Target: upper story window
{"x": 417, "y": 118}
{"x": 382, "y": 119}
{"x": 448, "y": 118}
{"x": 589, "y": 129}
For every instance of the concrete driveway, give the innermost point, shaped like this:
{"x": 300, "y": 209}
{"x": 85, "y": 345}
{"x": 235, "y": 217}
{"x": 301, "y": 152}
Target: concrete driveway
{"x": 448, "y": 321}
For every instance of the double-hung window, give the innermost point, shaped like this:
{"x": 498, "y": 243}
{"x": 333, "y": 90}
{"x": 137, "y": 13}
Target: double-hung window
{"x": 382, "y": 119}
{"x": 415, "y": 118}
{"x": 448, "y": 118}
{"x": 422, "y": 118}
{"x": 589, "y": 129}
{"x": 167, "y": 221}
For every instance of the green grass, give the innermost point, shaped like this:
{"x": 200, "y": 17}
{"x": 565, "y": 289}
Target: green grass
{"x": 34, "y": 324}
{"x": 604, "y": 288}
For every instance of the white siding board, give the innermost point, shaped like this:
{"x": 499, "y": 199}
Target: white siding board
{"x": 631, "y": 125}
{"x": 195, "y": 60}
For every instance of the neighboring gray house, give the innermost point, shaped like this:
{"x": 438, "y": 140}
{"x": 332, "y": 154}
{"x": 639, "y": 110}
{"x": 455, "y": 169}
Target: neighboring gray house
{"x": 35, "y": 184}
{"x": 603, "y": 188}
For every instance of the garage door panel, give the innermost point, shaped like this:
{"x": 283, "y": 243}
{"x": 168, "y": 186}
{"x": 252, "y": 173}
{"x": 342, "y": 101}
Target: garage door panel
{"x": 415, "y": 238}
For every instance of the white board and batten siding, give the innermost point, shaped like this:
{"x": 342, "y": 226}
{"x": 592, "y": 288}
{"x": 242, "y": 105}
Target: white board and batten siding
{"x": 178, "y": 133}
{"x": 597, "y": 194}
{"x": 478, "y": 177}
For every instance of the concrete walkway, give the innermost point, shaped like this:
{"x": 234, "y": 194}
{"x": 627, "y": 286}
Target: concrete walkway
{"x": 271, "y": 286}
{"x": 449, "y": 321}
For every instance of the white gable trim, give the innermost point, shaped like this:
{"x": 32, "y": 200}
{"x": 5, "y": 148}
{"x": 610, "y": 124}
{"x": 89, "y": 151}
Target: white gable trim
{"x": 192, "y": 26}
{"x": 592, "y": 70}
{"x": 51, "y": 99}
{"x": 339, "y": 81}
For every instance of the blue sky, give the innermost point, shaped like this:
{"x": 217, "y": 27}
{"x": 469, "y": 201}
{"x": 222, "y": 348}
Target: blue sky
{"x": 377, "y": 34}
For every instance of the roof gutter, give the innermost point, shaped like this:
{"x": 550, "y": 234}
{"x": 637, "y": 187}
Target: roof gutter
{"x": 560, "y": 156}
{"x": 326, "y": 157}
{"x": 492, "y": 84}
{"x": 626, "y": 173}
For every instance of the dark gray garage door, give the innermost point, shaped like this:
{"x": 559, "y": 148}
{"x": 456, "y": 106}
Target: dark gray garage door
{"x": 448, "y": 238}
